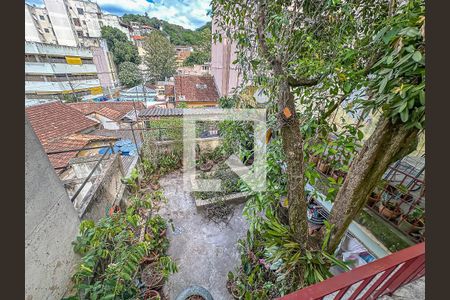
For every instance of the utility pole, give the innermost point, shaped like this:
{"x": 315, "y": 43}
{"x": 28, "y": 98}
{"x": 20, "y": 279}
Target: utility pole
{"x": 71, "y": 86}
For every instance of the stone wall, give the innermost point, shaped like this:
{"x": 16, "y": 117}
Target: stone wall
{"x": 51, "y": 224}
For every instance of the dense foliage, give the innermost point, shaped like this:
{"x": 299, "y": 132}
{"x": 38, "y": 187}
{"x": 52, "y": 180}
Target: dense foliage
{"x": 122, "y": 49}
{"x": 112, "y": 252}
{"x": 197, "y": 58}
{"x": 328, "y": 57}
{"x": 129, "y": 74}
{"x": 399, "y": 75}
{"x": 159, "y": 56}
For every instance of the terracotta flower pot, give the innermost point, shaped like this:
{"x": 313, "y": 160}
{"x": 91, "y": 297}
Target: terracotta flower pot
{"x": 373, "y": 198}
{"x": 206, "y": 167}
{"x": 324, "y": 167}
{"x": 388, "y": 213}
{"x": 314, "y": 159}
{"x": 152, "y": 295}
{"x": 152, "y": 276}
{"x": 408, "y": 227}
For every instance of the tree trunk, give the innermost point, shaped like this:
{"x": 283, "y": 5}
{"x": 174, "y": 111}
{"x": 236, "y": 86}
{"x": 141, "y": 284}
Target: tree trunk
{"x": 293, "y": 150}
{"x": 388, "y": 143}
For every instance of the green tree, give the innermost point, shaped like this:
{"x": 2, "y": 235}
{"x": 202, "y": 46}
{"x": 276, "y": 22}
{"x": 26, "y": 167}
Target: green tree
{"x": 197, "y": 58}
{"x": 159, "y": 56}
{"x": 398, "y": 89}
{"x": 122, "y": 49}
{"x": 129, "y": 74}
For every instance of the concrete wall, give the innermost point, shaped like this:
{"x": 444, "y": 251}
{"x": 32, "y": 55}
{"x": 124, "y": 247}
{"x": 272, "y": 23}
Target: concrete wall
{"x": 225, "y": 73}
{"x": 62, "y": 25}
{"x": 105, "y": 192}
{"x": 31, "y": 32}
{"x": 51, "y": 224}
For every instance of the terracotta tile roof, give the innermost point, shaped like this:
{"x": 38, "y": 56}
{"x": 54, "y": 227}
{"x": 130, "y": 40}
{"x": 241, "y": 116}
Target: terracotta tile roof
{"x": 196, "y": 88}
{"x": 73, "y": 141}
{"x": 58, "y": 128}
{"x": 54, "y": 120}
{"x": 112, "y": 110}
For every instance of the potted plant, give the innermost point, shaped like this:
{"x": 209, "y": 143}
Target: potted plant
{"x": 389, "y": 209}
{"x": 314, "y": 159}
{"x": 413, "y": 222}
{"x": 324, "y": 166}
{"x": 152, "y": 276}
{"x": 194, "y": 293}
{"x": 373, "y": 198}
{"x": 152, "y": 295}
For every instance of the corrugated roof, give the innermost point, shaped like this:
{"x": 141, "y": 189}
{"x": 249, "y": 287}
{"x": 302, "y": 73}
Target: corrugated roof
{"x": 160, "y": 112}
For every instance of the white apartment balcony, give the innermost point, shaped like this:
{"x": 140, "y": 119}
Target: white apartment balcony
{"x": 49, "y": 49}
{"x": 58, "y": 87}
{"x": 58, "y": 68}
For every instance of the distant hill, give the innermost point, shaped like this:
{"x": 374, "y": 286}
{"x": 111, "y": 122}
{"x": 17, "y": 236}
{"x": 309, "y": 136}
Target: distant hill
{"x": 178, "y": 35}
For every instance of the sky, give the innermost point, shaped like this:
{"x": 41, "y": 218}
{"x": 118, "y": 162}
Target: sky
{"x": 190, "y": 14}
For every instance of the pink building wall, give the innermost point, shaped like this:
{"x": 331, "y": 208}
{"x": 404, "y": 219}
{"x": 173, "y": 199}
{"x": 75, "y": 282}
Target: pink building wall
{"x": 226, "y": 75}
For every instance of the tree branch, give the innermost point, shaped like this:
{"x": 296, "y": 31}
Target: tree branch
{"x": 296, "y": 82}
{"x": 260, "y": 31}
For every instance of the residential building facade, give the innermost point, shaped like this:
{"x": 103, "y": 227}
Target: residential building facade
{"x": 52, "y": 71}
{"x": 225, "y": 73}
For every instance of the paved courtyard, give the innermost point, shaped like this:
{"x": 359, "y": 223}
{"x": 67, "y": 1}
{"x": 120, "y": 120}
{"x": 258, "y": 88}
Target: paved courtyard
{"x": 204, "y": 251}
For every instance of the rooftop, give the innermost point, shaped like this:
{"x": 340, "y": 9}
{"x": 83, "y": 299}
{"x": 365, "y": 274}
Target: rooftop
{"x": 61, "y": 127}
{"x": 112, "y": 110}
{"x": 196, "y": 88}
{"x": 160, "y": 112}
{"x": 51, "y": 121}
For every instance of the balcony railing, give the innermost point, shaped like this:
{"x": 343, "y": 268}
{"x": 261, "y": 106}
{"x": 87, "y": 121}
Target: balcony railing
{"x": 398, "y": 199}
{"x": 371, "y": 281}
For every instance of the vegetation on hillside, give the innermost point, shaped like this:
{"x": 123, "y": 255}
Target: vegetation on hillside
{"x": 122, "y": 49}
{"x": 177, "y": 34}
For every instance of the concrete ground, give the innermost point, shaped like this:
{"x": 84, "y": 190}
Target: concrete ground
{"x": 204, "y": 251}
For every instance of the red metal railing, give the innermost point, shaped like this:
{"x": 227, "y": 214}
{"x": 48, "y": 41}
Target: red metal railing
{"x": 381, "y": 277}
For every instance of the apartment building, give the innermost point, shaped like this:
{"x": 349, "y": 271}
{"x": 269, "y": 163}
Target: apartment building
{"x": 52, "y": 71}
{"x": 225, "y": 73}
{"x": 38, "y": 27}
{"x": 69, "y": 23}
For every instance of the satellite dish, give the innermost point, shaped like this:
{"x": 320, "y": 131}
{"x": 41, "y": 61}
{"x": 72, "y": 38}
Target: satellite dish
{"x": 261, "y": 96}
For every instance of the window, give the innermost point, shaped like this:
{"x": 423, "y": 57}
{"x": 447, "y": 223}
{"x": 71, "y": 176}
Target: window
{"x": 80, "y": 11}
{"x": 100, "y": 23}
{"x": 41, "y": 17}
{"x": 46, "y": 30}
{"x": 99, "y": 15}
{"x": 30, "y": 58}
{"x": 201, "y": 86}
{"x": 80, "y": 33}
{"x": 76, "y": 21}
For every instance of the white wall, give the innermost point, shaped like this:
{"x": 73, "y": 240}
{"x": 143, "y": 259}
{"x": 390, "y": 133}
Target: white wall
{"x": 106, "y": 123}
{"x": 51, "y": 224}
{"x": 31, "y": 32}
{"x": 62, "y": 26}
